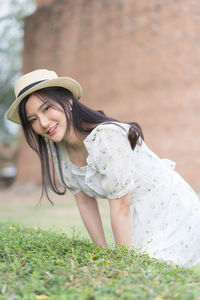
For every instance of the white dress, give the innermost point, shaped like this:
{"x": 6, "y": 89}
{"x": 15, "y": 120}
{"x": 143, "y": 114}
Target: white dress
{"x": 165, "y": 211}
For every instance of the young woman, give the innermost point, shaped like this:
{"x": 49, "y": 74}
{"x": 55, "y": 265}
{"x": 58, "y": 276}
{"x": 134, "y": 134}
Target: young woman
{"x": 94, "y": 156}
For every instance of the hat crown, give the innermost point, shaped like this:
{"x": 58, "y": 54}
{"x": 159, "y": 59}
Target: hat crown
{"x": 33, "y": 77}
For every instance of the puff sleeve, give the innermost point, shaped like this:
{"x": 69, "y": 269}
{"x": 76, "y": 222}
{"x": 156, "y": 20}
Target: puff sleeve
{"x": 111, "y": 155}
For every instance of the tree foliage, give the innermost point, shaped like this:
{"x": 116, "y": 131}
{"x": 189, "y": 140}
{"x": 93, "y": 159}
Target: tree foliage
{"x": 12, "y": 16}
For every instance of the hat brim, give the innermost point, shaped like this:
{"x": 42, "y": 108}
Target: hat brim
{"x": 66, "y": 82}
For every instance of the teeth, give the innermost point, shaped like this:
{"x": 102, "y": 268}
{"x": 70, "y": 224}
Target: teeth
{"x": 49, "y": 131}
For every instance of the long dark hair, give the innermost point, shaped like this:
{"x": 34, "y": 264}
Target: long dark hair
{"x": 82, "y": 118}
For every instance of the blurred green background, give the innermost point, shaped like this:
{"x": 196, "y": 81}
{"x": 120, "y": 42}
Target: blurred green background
{"x": 12, "y": 16}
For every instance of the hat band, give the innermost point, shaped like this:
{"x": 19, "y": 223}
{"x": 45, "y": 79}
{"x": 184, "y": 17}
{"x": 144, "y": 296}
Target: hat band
{"x": 29, "y": 87}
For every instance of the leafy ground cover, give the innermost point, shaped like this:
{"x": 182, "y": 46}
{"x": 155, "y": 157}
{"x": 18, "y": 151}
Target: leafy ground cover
{"x": 38, "y": 264}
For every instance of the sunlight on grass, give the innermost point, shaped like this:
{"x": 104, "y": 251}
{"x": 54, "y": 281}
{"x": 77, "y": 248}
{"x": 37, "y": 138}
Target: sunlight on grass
{"x": 38, "y": 264}
{"x": 52, "y": 257}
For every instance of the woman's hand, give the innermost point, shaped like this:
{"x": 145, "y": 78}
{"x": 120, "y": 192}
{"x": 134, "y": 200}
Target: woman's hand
{"x": 89, "y": 211}
{"x": 121, "y": 220}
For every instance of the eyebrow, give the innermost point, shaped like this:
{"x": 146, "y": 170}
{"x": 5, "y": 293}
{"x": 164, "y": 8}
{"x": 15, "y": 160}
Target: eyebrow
{"x": 39, "y": 108}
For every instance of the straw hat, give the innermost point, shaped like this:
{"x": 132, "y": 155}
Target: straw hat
{"x": 35, "y": 81}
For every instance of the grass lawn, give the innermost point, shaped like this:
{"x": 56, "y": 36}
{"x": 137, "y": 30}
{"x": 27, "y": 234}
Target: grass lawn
{"x": 38, "y": 264}
{"x": 42, "y": 258}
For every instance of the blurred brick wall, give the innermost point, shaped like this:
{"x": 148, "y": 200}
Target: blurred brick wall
{"x": 137, "y": 60}
{"x": 41, "y": 3}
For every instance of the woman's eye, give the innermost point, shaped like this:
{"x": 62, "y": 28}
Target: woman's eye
{"x": 46, "y": 108}
{"x": 32, "y": 121}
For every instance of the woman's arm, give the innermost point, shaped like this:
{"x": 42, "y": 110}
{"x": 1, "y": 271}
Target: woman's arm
{"x": 121, "y": 220}
{"x": 89, "y": 211}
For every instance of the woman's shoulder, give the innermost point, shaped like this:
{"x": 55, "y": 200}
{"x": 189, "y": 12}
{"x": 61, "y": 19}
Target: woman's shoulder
{"x": 114, "y": 125}
{"x": 107, "y": 128}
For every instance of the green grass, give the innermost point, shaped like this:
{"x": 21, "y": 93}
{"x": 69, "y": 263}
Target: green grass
{"x": 38, "y": 264}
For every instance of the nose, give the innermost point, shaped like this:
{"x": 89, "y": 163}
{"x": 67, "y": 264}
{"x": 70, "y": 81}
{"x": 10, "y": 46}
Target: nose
{"x": 44, "y": 121}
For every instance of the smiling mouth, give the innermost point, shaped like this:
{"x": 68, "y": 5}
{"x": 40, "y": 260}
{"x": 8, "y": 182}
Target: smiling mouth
{"x": 52, "y": 130}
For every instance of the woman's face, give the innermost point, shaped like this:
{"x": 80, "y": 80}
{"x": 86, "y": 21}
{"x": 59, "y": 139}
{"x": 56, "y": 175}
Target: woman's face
{"x": 46, "y": 119}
